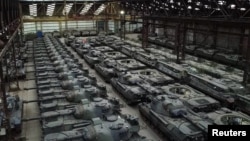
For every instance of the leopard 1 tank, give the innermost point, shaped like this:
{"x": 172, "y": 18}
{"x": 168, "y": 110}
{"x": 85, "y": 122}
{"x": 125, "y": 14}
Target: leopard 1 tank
{"x": 173, "y": 119}
{"x": 109, "y": 68}
{"x": 54, "y": 98}
{"x": 174, "y": 70}
{"x": 109, "y": 128}
{"x": 69, "y": 40}
{"x": 15, "y": 112}
{"x": 152, "y": 76}
{"x": 53, "y": 121}
{"x": 124, "y": 65}
{"x": 227, "y": 58}
{"x": 130, "y": 50}
{"x": 112, "y": 55}
{"x": 83, "y": 49}
{"x": 127, "y": 85}
{"x": 191, "y": 48}
{"x": 226, "y": 116}
{"x": 206, "y": 52}
{"x": 93, "y": 54}
{"x": 117, "y": 45}
{"x": 193, "y": 99}
{"x": 106, "y": 67}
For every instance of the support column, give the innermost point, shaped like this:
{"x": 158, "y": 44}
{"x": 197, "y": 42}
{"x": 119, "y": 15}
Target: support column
{"x": 145, "y": 32}
{"x": 246, "y": 77}
{"x": 215, "y": 33}
{"x": 177, "y": 42}
{"x": 241, "y": 45}
{"x": 184, "y": 41}
{"x": 194, "y": 34}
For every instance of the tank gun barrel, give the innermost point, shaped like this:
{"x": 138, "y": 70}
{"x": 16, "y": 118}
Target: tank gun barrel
{"x": 55, "y": 114}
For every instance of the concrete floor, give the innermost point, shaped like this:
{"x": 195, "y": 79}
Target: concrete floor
{"x": 31, "y": 130}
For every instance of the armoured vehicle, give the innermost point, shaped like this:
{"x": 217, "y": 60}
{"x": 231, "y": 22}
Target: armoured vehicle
{"x": 171, "y": 117}
{"x": 117, "y": 45}
{"x": 112, "y": 55}
{"x": 76, "y": 33}
{"x": 69, "y": 40}
{"x": 137, "y": 85}
{"x": 73, "y": 115}
{"x": 174, "y": 70}
{"x": 130, "y": 50}
{"x": 127, "y": 85}
{"x": 205, "y": 106}
{"x": 152, "y": 76}
{"x": 84, "y": 33}
{"x": 228, "y": 58}
{"x": 216, "y": 70}
{"x": 94, "y": 53}
{"x": 76, "y": 43}
{"x": 56, "y": 34}
{"x": 93, "y": 42}
{"x": 109, "y": 40}
{"x": 147, "y": 58}
{"x": 92, "y": 32}
{"x": 191, "y": 48}
{"x": 195, "y": 100}
{"x": 15, "y": 110}
{"x": 13, "y": 73}
{"x": 66, "y": 33}
{"x": 225, "y": 116}
{"x": 109, "y": 68}
{"x": 83, "y": 48}
{"x": 106, "y": 67}
{"x": 161, "y": 53}
{"x": 109, "y": 128}
{"x": 221, "y": 89}
{"x": 59, "y": 99}
{"x": 206, "y": 53}
{"x": 124, "y": 65}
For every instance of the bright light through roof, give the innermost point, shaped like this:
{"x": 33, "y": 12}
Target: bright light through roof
{"x": 100, "y": 9}
{"x": 86, "y": 8}
{"x": 67, "y": 8}
{"x": 50, "y": 9}
{"x": 33, "y": 9}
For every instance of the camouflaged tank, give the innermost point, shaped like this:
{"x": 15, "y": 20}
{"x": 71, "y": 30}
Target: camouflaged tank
{"x": 107, "y": 128}
{"x": 54, "y": 99}
{"x": 173, "y": 119}
{"x": 193, "y": 99}
{"x": 127, "y": 86}
{"x": 71, "y": 115}
{"x": 92, "y": 56}
{"x": 137, "y": 85}
{"x": 69, "y": 40}
{"x": 106, "y": 67}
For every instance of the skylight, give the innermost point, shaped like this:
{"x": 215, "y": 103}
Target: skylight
{"x": 50, "y": 9}
{"x": 67, "y": 8}
{"x": 33, "y": 9}
{"x": 100, "y": 9}
{"x": 86, "y": 8}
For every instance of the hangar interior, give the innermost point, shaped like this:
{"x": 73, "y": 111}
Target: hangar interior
{"x": 122, "y": 70}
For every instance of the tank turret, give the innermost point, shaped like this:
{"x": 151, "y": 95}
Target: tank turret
{"x": 127, "y": 86}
